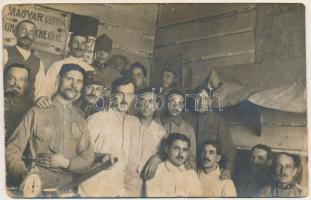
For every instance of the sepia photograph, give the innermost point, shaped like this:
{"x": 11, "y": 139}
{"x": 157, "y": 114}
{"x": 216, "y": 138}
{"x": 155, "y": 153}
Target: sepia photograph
{"x": 141, "y": 100}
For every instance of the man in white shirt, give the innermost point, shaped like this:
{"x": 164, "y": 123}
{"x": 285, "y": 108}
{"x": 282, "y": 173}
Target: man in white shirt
{"x": 21, "y": 53}
{"x": 171, "y": 178}
{"x": 209, "y": 172}
{"x": 110, "y": 133}
{"x": 145, "y": 141}
{"x": 77, "y": 47}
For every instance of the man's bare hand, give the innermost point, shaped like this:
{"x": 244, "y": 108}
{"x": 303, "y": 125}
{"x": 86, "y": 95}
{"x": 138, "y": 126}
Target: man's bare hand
{"x": 225, "y": 174}
{"x": 151, "y": 167}
{"x": 53, "y": 161}
{"x": 44, "y": 102}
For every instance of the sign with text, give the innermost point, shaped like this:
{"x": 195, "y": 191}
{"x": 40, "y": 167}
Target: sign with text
{"x": 52, "y": 26}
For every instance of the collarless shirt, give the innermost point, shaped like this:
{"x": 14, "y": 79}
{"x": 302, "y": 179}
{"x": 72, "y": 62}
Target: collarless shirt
{"x": 213, "y": 186}
{"x": 51, "y": 84}
{"x": 292, "y": 190}
{"x": 173, "y": 181}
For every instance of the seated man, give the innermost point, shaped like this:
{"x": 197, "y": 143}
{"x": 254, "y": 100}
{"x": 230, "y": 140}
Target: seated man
{"x": 16, "y": 103}
{"x": 58, "y": 137}
{"x": 209, "y": 172}
{"x": 257, "y": 174}
{"x": 171, "y": 178}
{"x": 93, "y": 97}
{"x": 285, "y": 169}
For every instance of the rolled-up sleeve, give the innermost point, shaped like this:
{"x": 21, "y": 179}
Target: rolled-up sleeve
{"x": 85, "y": 154}
{"x": 16, "y": 146}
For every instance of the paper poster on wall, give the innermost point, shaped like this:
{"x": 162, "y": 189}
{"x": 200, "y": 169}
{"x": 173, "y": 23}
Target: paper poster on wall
{"x": 52, "y": 26}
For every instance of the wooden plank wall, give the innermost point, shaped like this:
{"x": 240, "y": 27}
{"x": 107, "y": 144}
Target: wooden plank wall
{"x": 130, "y": 26}
{"x": 207, "y": 35}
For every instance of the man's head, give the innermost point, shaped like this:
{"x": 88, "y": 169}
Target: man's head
{"x": 93, "y": 88}
{"x": 177, "y": 148}
{"x": 146, "y": 102}
{"x": 138, "y": 73}
{"x": 118, "y": 62}
{"x": 102, "y": 49}
{"x": 122, "y": 93}
{"x": 77, "y": 45}
{"x": 210, "y": 154}
{"x": 285, "y": 168}
{"x": 175, "y": 103}
{"x": 202, "y": 101}
{"x": 261, "y": 157}
{"x": 71, "y": 79}
{"x": 16, "y": 79}
{"x": 25, "y": 33}
{"x": 169, "y": 78}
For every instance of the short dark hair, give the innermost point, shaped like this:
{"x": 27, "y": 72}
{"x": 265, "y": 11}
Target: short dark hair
{"x": 177, "y": 136}
{"x": 265, "y": 148}
{"x": 296, "y": 159}
{"x": 16, "y": 65}
{"x": 24, "y": 21}
{"x": 123, "y": 80}
{"x": 72, "y": 67}
{"x": 176, "y": 92}
{"x": 215, "y": 144}
{"x": 139, "y": 65}
{"x": 74, "y": 34}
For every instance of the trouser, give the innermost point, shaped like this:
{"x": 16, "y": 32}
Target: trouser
{"x": 133, "y": 183}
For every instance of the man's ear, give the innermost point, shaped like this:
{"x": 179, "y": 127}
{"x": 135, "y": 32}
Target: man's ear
{"x": 218, "y": 158}
{"x": 295, "y": 171}
{"x": 269, "y": 162}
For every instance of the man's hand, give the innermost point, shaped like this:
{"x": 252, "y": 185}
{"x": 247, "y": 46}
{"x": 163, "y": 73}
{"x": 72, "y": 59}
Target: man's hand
{"x": 53, "y": 161}
{"x": 225, "y": 174}
{"x": 44, "y": 102}
{"x": 151, "y": 167}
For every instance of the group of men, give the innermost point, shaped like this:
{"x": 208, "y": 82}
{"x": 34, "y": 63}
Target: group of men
{"x": 77, "y": 115}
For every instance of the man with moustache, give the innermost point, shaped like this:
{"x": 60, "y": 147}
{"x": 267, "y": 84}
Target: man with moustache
{"x": 257, "y": 174}
{"x": 25, "y": 33}
{"x": 16, "y": 104}
{"x": 209, "y": 172}
{"x": 171, "y": 178}
{"x": 57, "y": 137}
{"x": 77, "y": 47}
{"x": 110, "y": 132}
{"x": 169, "y": 79}
{"x": 285, "y": 169}
{"x": 144, "y": 143}
{"x": 92, "y": 99}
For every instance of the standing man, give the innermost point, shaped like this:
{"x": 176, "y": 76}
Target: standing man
{"x": 138, "y": 73}
{"x": 285, "y": 169}
{"x": 25, "y": 33}
{"x": 210, "y": 126}
{"x": 58, "y": 137}
{"x": 92, "y": 99}
{"x": 16, "y": 103}
{"x": 209, "y": 172}
{"x": 173, "y": 122}
{"x": 253, "y": 177}
{"x": 102, "y": 52}
{"x": 145, "y": 142}
{"x": 77, "y": 47}
{"x": 110, "y": 133}
{"x": 169, "y": 79}
{"x": 172, "y": 179}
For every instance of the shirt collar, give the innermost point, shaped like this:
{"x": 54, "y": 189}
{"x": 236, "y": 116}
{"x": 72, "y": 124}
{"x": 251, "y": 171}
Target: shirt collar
{"x": 167, "y": 119}
{"x": 61, "y": 104}
{"x": 214, "y": 173}
{"x": 24, "y": 52}
{"x": 173, "y": 168}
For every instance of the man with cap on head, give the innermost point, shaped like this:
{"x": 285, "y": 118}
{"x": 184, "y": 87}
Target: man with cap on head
{"x": 92, "y": 99}
{"x": 77, "y": 48}
{"x": 21, "y": 53}
{"x": 169, "y": 78}
{"x": 102, "y": 51}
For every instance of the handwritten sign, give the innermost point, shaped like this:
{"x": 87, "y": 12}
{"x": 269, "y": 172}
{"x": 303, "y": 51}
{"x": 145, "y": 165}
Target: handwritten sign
{"x": 52, "y": 26}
